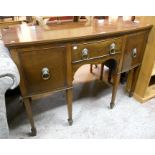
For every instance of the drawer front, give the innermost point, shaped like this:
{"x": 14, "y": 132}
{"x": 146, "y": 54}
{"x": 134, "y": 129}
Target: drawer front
{"x": 134, "y": 50}
{"x": 43, "y": 69}
{"x": 90, "y": 50}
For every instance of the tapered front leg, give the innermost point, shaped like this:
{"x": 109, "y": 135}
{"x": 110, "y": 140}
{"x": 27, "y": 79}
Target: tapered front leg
{"x": 114, "y": 90}
{"x": 27, "y": 103}
{"x": 134, "y": 81}
{"x": 69, "y": 96}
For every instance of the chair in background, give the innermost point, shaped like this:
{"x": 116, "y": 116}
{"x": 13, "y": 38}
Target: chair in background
{"x": 48, "y": 20}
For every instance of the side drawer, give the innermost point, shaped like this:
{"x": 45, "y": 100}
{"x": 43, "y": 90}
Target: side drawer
{"x": 43, "y": 69}
{"x": 95, "y": 49}
{"x": 134, "y": 50}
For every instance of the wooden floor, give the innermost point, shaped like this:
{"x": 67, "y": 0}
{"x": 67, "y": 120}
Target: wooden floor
{"x": 83, "y": 74}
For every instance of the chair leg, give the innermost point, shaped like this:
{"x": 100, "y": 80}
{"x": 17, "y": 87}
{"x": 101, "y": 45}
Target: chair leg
{"x": 102, "y": 70}
{"x": 91, "y": 68}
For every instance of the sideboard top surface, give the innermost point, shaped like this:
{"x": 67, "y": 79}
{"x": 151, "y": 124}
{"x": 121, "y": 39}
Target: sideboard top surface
{"x": 24, "y": 34}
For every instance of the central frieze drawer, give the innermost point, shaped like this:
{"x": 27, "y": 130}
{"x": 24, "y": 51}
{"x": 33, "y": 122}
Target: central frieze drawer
{"x": 90, "y": 50}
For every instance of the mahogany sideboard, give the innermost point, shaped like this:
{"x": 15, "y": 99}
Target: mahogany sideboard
{"x": 48, "y": 56}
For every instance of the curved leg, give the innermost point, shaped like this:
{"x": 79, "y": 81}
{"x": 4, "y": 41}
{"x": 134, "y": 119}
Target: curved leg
{"x": 27, "y": 103}
{"x": 114, "y": 90}
{"x": 102, "y": 70}
{"x": 134, "y": 81}
{"x": 69, "y": 105}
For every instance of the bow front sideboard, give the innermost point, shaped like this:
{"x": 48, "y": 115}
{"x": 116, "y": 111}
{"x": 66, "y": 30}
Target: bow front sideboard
{"x": 48, "y": 56}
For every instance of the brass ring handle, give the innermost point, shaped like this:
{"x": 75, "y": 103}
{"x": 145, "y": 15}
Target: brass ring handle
{"x": 45, "y": 73}
{"x": 85, "y": 54}
{"x": 134, "y": 53}
{"x": 112, "y": 49}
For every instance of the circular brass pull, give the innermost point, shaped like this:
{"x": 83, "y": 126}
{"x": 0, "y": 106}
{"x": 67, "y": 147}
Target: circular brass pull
{"x": 112, "y": 49}
{"x": 45, "y": 73}
{"x": 85, "y": 54}
{"x": 134, "y": 53}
